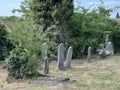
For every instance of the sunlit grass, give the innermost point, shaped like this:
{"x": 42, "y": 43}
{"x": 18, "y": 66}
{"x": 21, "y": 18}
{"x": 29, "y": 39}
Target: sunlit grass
{"x": 98, "y": 75}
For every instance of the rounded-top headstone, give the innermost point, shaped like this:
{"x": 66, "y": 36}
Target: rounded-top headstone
{"x": 44, "y": 50}
{"x": 69, "y": 57}
{"x": 89, "y": 55}
{"x": 61, "y": 56}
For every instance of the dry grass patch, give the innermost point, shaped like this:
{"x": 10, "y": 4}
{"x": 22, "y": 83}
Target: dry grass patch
{"x": 98, "y": 75}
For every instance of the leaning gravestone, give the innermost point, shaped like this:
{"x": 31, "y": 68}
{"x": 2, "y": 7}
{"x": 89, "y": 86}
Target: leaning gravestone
{"x": 44, "y": 50}
{"x": 89, "y": 55}
{"x": 69, "y": 57}
{"x": 60, "y": 56}
{"x": 46, "y": 65}
{"x": 106, "y": 42}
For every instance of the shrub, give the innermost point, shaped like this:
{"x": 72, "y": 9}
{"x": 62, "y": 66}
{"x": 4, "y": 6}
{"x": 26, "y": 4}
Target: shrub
{"x": 5, "y": 45}
{"x": 116, "y": 40}
{"x": 23, "y": 59}
{"x": 103, "y": 55}
{"x": 21, "y": 63}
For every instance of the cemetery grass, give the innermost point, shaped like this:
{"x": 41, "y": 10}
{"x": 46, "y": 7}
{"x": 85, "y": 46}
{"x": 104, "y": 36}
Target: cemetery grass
{"x": 97, "y": 75}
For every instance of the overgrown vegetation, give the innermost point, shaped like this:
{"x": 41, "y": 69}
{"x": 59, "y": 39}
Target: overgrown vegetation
{"x": 5, "y": 45}
{"x": 50, "y": 18}
{"x": 88, "y": 28}
{"x": 116, "y": 39}
{"x": 23, "y": 59}
{"x": 53, "y": 22}
{"x": 103, "y": 55}
{"x": 21, "y": 64}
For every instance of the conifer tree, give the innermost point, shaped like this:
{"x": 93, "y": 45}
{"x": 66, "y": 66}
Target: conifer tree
{"x": 51, "y": 17}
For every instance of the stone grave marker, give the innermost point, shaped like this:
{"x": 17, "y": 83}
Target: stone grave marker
{"x": 44, "y": 50}
{"x": 106, "y": 42}
{"x": 69, "y": 57}
{"x": 46, "y": 65}
{"x": 60, "y": 59}
{"x": 89, "y": 55}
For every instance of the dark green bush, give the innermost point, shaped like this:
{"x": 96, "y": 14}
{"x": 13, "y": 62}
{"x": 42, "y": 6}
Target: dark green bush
{"x": 88, "y": 28}
{"x": 23, "y": 59}
{"x": 84, "y": 33}
{"x": 5, "y": 44}
{"x": 21, "y": 63}
{"x": 103, "y": 55}
{"x": 116, "y": 40}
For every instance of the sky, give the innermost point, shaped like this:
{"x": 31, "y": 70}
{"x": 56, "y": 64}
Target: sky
{"x": 7, "y": 5}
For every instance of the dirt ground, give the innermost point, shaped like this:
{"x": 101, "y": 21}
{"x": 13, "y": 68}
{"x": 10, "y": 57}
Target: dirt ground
{"x": 97, "y": 75}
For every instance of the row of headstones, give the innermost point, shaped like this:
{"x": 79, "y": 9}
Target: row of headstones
{"x": 60, "y": 57}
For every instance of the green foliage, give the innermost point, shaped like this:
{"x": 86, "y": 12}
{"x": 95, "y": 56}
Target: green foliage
{"x": 23, "y": 59}
{"x": 21, "y": 63}
{"x": 51, "y": 17}
{"x": 116, "y": 40}
{"x": 87, "y": 28}
{"x": 5, "y": 45}
{"x": 50, "y": 21}
{"x": 103, "y": 55}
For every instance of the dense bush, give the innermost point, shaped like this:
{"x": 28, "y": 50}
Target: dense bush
{"x": 116, "y": 40}
{"x": 23, "y": 59}
{"x": 88, "y": 28}
{"x": 103, "y": 55}
{"x": 21, "y": 63}
{"x": 5, "y": 45}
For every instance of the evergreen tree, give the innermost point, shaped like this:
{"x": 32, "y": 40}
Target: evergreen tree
{"x": 51, "y": 17}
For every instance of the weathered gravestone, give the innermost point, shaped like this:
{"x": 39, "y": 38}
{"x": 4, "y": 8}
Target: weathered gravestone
{"x": 60, "y": 56}
{"x": 44, "y": 50}
{"x": 109, "y": 51}
{"x": 69, "y": 57}
{"x": 106, "y": 42}
{"x": 89, "y": 55}
{"x": 46, "y": 65}
{"x": 110, "y": 46}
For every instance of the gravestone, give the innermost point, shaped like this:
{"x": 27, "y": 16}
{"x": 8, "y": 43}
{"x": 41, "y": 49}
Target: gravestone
{"x": 106, "y": 42}
{"x": 44, "y": 50}
{"x": 69, "y": 57}
{"x": 46, "y": 65}
{"x": 89, "y": 55}
{"x": 110, "y": 48}
{"x": 60, "y": 64}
